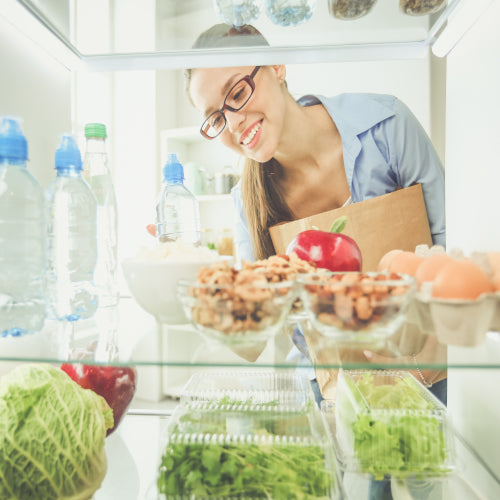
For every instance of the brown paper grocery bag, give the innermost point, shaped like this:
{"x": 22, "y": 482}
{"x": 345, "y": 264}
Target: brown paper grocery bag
{"x": 380, "y": 224}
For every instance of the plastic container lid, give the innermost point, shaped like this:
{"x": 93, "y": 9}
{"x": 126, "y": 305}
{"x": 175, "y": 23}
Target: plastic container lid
{"x": 13, "y": 144}
{"x": 173, "y": 171}
{"x": 95, "y": 130}
{"x": 257, "y": 386}
{"x": 68, "y": 154}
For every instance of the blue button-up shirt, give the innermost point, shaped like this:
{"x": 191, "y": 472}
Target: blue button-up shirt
{"x": 384, "y": 147}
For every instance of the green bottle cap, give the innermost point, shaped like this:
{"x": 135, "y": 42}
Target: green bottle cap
{"x": 95, "y": 130}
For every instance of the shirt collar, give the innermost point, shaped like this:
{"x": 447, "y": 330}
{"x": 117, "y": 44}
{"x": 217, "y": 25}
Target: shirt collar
{"x": 352, "y": 117}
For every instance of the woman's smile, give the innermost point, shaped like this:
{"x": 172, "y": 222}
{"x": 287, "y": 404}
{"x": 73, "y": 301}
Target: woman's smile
{"x": 250, "y": 137}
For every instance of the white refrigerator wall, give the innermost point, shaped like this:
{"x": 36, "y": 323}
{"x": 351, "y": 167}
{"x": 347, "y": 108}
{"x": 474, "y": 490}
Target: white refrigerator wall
{"x": 37, "y": 89}
{"x": 473, "y": 212}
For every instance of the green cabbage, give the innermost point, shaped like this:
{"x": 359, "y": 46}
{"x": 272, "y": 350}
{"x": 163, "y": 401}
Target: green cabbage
{"x": 52, "y": 435}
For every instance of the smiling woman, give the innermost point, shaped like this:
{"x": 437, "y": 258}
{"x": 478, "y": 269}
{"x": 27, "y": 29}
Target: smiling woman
{"x": 310, "y": 155}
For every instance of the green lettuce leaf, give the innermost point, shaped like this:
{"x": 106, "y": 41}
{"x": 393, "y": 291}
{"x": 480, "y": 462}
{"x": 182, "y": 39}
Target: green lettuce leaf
{"x": 395, "y": 442}
{"x": 52, "y": 435}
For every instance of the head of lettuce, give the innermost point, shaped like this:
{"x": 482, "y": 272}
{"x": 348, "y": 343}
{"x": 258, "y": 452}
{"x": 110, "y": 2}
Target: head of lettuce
{"x": 52, "y": 435}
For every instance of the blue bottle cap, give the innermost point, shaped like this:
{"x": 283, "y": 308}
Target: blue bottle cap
{"x": 173, "y": 171}
{"x": 13, "y": 144}
{"x": 68, "y": 154}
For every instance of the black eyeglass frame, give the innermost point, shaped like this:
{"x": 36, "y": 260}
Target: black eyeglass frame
{"x": 248, "y": 79}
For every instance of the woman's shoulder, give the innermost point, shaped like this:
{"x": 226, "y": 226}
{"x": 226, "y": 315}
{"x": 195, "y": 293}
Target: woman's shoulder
{"x": 364, "y": 101}
{"x": 358, "y": 112}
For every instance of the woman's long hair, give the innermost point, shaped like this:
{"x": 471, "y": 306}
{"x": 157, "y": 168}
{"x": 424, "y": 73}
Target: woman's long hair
{"x": 263, "y": 203}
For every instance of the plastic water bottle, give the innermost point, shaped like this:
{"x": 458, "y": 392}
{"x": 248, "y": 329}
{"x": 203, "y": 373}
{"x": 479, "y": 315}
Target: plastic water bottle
{"x": 22, "y": 237}
{"x": 96, "y": 173}
{"x": 238, "y": 12}
{"x": 72, "y": 246}
{"x": 290, "y": 12}
{"x": 177, "y": 211}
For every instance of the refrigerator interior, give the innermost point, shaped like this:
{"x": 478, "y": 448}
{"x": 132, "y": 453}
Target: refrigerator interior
{"x": 455, "y": 97}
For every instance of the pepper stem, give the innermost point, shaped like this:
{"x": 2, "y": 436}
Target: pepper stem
{"x": 339, "y": 224}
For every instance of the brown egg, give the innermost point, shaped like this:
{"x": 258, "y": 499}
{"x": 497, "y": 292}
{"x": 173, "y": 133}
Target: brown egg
{"x": 461, "y": 279}
{"x": 405, "y": 263}
{"x": 386, "y": 259}
{"x": 429, "y": 268}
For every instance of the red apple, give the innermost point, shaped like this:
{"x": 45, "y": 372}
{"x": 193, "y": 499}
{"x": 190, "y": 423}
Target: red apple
{"x": 116, "y": 384}
{"x": 328, "y": 249}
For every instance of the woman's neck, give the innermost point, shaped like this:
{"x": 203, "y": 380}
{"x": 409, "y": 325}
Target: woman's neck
{"x": 310, "y": 138}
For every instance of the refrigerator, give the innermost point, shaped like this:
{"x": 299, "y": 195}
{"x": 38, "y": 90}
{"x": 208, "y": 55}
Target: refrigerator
{"x": 64, "y": 64}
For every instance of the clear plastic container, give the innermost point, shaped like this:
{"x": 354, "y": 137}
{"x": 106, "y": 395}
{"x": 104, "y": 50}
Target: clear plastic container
{"x": 387, "y": 423}
{"x": 421, "y": 7}
{"x": 255, "y": 386}
{"x": 350, "y": 9}
{"x": 218, "y": 451}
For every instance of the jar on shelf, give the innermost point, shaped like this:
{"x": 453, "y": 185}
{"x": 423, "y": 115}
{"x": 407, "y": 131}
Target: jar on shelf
{"x": 225, "y": 242}
{"x": 421, "y": 7}
{"x": 350, "y": 9}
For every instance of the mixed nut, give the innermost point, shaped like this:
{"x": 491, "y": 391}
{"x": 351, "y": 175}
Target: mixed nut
{"x": 350, "y": 9}
{"x": 356, "y": 301}
{"x": 421, "y": 7}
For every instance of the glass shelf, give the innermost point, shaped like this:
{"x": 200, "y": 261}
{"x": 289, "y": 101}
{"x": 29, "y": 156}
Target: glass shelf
{"x": 141, "y": 341}
{"x": 158, "y": 35}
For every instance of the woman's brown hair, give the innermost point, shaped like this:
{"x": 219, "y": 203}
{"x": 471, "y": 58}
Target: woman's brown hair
{"x": 261, "y": 192}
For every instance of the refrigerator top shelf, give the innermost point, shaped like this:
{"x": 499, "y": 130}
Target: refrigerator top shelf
{"x": 150, "y": 35}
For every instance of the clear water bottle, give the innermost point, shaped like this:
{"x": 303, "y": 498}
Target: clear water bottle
{"x": 238, "y": 12}
{"x": 97, "y": 174}
{"x": 72, "y": 245}
{"x": 22, "y": 237}
{"x": 290, "y": 12}
{"x": 177, "y": 211}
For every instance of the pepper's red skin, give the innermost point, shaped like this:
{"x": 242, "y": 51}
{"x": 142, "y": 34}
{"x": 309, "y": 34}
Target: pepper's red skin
{"x": 332, "y": 251}
{"x": 116, "y": 384}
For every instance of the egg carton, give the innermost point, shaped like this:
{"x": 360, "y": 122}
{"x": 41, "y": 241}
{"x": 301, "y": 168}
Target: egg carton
{"x": 456, "y": 321}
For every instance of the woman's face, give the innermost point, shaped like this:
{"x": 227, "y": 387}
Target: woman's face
{"x": 255, "y": 130}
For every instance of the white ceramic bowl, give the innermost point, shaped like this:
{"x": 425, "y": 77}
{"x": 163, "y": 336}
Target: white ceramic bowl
{"x": 154, "y": 285}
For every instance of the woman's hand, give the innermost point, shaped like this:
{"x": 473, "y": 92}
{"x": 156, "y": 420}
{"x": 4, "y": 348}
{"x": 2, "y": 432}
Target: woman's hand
{"x": 151, "y": 229}
{"x": 432, "y": 352}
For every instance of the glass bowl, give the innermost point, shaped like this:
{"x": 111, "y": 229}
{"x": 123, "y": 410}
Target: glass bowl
{"x": 238, "y": 313}
{"x": 350, "y": 9}
{"x": 357, "y": 306}
{"x": 421, "y": 7}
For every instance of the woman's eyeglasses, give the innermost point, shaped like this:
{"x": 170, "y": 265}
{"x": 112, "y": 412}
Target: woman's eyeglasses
{"x": 235, "y": 99}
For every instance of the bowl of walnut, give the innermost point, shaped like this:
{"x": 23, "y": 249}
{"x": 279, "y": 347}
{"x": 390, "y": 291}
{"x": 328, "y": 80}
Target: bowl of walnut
{"x": 357, "y": 306}
{"x": 236, "y": 307}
